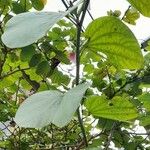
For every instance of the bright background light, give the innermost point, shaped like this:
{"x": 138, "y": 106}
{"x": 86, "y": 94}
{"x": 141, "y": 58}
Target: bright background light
{"x": 99, "y": 8}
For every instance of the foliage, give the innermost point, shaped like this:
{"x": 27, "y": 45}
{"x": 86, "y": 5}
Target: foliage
{"x": 43, "y": 105}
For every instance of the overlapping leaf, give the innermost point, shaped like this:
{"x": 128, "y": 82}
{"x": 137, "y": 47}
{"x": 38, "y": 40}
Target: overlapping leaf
{"x": 48, "y": 107}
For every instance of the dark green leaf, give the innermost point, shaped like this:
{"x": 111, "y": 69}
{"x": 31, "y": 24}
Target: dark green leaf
{"x": 43, "y": 68}
{"x": 27, "y": 53}
{"x": 35, "y": 60}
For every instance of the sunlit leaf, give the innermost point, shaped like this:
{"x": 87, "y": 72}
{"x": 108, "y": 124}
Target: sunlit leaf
{"x": 143, "y": 6}
{"x": 113, "y": 38}
{"x": 117, "y": 109}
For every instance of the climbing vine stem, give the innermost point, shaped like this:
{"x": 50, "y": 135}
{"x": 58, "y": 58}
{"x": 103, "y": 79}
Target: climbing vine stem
{"x": 79, "y": 30}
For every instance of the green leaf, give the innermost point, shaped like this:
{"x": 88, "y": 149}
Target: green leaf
{"x": 27, "y": 53}
{"x": 48, "y": 107}
{"x": 26, "y": 28}
{"x": 117, "y": 109}
{"x": 94, "y": 148}
{"x": 131, "y": 16}
{"x": 113, "y": 38}
{"x": 17, "y": 8}
{"x": 37, "y": 4}
{"x": 145, "y": 99}
{"x": 35, "y": 60}
{"x": 145, "y": 120}
{"x": 43, "y": 68}
{"x": 143, "y": 6}
{"x": 59, "y": 78}
{"x": 147, "y": 48}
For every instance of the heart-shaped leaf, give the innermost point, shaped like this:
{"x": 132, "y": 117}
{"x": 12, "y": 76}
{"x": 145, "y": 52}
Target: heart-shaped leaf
{"x": 112, "y": 37}
{"x": 116, "y": 109}
{"x": 48, "y": 107}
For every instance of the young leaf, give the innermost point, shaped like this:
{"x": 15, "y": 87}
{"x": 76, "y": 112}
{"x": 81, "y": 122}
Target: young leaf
{"x": 26, "y": 28}
{"x": 48, "y": 107}
{"x": 131, "y": 16}
{"x": 116, "y": 109}
{"x": 143, "y": 6}
{"x": 113, "y": 38}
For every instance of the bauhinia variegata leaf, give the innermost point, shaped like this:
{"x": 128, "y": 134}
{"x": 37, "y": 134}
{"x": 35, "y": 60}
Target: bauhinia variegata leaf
{"x": 48, "y": 107}
{"x": 26, "y": 28}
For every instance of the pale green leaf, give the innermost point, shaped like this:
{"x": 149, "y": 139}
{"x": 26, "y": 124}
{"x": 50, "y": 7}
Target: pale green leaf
{"x": 113, "y": 38}
{"x": 26, "y": 28}
{"x": 48, "y": 107}
{"x": 143, "y": 6}
{"x": 117, "y": 109}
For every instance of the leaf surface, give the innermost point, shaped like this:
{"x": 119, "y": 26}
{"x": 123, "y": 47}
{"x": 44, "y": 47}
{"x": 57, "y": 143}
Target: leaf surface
{"x": 110, "y": 36}
{"x": 117, "y": 109}
{"x": 48, "y": 107}
{"x": 26, "y": 28}
{"x": 143, "y": 6}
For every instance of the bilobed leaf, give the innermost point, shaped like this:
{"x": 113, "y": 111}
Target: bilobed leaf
{"x": 26, "y": 28}
{"x": 112, "y": 37}
{"x": 48, "y": 107}
{"x": 116, "y": 109}
{"x": 143, "y": 6}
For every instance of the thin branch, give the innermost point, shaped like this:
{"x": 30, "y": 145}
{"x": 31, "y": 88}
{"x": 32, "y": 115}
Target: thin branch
{"x": 65, "y": 4}
{"x": 110, "y": 136}
{"x": 13, "y": 72}
{"x": 79, "y": 30}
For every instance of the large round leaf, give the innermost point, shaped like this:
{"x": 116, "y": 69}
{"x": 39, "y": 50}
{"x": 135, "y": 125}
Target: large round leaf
{"x": 48, "y": 107}
{"x": 143, "y": 6}
{"x": 113, "y": 38}
{"x": 117, "y": 109}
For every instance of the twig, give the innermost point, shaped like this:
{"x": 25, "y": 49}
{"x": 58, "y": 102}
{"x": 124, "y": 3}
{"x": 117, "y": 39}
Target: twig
{"x": 110, "y": 136}
{"x": 79, "y": 30}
